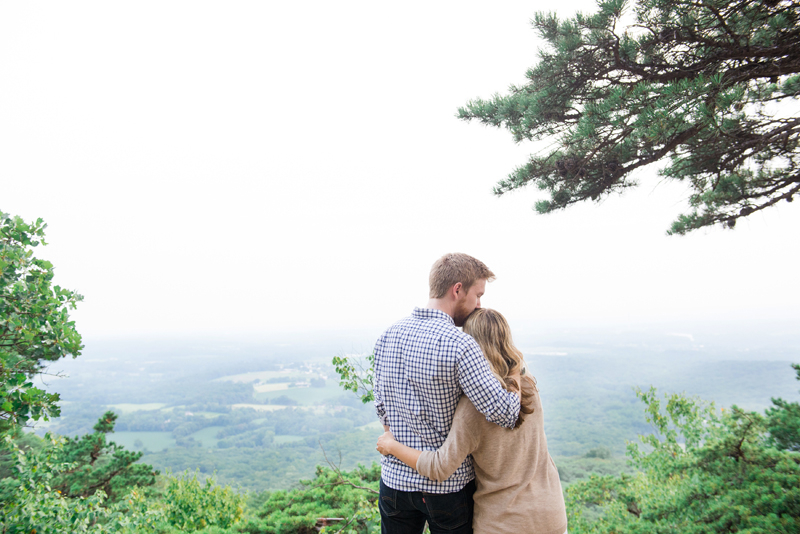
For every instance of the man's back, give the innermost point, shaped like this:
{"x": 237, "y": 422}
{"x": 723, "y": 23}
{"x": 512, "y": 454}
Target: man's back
{"x": 423, "y": 363}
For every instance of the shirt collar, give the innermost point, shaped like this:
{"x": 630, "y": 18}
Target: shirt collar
{"x": 430, "y": 313}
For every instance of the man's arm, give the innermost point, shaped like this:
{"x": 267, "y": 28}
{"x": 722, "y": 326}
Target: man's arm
{"x": 483, "y": 389}
{"x": 377, "y": 388}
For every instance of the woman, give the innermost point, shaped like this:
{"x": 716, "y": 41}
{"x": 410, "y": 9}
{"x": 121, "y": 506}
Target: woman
{"x": 518, "y": 489}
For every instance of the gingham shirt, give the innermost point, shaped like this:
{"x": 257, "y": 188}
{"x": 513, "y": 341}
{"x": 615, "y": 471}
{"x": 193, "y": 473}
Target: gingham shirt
{"x": 422, "y": 366}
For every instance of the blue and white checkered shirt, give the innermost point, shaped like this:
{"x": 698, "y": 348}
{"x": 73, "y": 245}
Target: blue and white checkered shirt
{"x": 422, "y": 365}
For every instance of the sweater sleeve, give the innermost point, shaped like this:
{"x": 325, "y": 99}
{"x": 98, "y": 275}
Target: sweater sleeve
{"x": 461, "y": 441}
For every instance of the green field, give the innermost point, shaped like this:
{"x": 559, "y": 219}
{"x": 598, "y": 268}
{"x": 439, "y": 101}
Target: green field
{"x": 208, "y": 436}
{"x": 152, "y": 441}
{"x": 259, "y": 407}
{"x": 375, "y": 425}
{"x": 260, "y": 375}
{"x": 207, "y": 415}
{"x": 128, "y": 408}
{"x": 264, "y": 388}
{"x": 288, "y": 439}
{"x": 306, "y": 396}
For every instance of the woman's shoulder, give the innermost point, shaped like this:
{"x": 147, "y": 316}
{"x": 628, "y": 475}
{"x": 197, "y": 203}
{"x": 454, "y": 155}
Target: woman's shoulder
{"x": 465, "y": 409}
{"x": 469, "y": 415}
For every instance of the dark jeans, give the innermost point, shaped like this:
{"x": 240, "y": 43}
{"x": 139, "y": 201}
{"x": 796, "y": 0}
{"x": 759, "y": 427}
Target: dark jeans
{"x": 405, "y": 512}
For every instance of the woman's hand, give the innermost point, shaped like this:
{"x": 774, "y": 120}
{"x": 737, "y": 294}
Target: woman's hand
{"x": 385, "y": 443}
{"x": 388, "y": 445}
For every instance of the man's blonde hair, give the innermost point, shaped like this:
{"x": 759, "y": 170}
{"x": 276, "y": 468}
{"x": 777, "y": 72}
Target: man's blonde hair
{"x": 453, "y": 268}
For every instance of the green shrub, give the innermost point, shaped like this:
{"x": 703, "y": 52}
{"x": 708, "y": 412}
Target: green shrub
{"x": 190, "y": 504}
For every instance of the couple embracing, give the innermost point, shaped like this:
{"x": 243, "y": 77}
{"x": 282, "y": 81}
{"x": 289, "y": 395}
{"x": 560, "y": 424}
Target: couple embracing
{"x": 464, "y": 446}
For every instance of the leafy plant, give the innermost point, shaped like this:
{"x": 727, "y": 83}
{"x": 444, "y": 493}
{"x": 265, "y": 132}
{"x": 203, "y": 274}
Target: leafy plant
{"x": 348, "y": 497}
{"x": 357, "y": 375}
{"x": 783, "y": 422}
{"x": 31, "y": 504}
{"x": 99, "y": 464}
{"x": 190, "y": 504}
{"x": 35, "y": 328}
{"x": 703, "y": 471}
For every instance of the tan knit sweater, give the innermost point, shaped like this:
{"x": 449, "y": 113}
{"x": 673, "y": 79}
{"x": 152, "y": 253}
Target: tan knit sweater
{"x": 518, "y": 489}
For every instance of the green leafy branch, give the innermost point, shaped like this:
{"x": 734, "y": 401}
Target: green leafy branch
{"x": 357, "y": 375}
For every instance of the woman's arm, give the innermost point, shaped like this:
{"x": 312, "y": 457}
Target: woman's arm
{"x": 388, "y": 445}
{"x": 442, "y": 463}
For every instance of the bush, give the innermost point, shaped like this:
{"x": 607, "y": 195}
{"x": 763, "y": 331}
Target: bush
{"x": 30, "y": 504}
{"x": 193, "y": 505}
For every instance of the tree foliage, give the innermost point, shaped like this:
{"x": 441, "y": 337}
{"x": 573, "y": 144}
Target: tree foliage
{"x": 58, "y": 487}
{"x": 348, "y": 496}
{"x": 707, "y": 85}
{"x": 194, "y": 505}
{"x": 97, "y": 464}
{"x": 703, "y": 471}
{"x": 35, "y": 328}
{"x": 31, "y": 504}
{"x": 48, "y": 486}
{"x": 86, "y": 484}
{"x": 357, "y": 375}
{"x": 783, "y": 422}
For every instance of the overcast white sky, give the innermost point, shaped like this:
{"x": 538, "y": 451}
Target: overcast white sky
{"x": 248, "y": 167}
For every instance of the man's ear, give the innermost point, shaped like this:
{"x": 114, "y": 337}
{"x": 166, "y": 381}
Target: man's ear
{"x": 456, "y": 289}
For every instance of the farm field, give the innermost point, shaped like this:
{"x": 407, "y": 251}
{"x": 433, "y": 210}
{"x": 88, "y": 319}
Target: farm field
{"x": 374, "y": 425}
{"x": 255, "y": 376}
{"x": 265, "y": 388}
{"x": 129, "y": 407}
{"x": 259, "y": 407}
{"x": 288, "y": 439}
{"x": 207, "y": 436}
{"x": 152, "y": 441}
{"x": 305, "y": 396}
{"x": 207, "y": 415}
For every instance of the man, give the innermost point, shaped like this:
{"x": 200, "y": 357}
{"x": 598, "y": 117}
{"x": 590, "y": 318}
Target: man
{"x": 423, "y": 364}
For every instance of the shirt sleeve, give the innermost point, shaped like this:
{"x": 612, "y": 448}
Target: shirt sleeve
{"x": 462, "y": 440}
{"x": 484, "y": 390}
{"x": 377, "y": 391}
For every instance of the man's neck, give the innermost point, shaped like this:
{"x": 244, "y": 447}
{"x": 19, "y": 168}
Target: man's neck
{"x": 441, "y": 305}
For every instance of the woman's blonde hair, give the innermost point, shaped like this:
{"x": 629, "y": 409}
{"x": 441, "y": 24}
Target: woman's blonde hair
{"x": 490, "y": 329}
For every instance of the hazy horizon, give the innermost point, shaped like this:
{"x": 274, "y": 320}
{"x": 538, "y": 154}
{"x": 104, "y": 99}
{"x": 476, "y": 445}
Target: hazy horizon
{"x": 778, "y": 340}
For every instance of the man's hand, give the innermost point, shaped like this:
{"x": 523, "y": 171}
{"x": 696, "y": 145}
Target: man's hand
{"x": 385, "y": 442}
